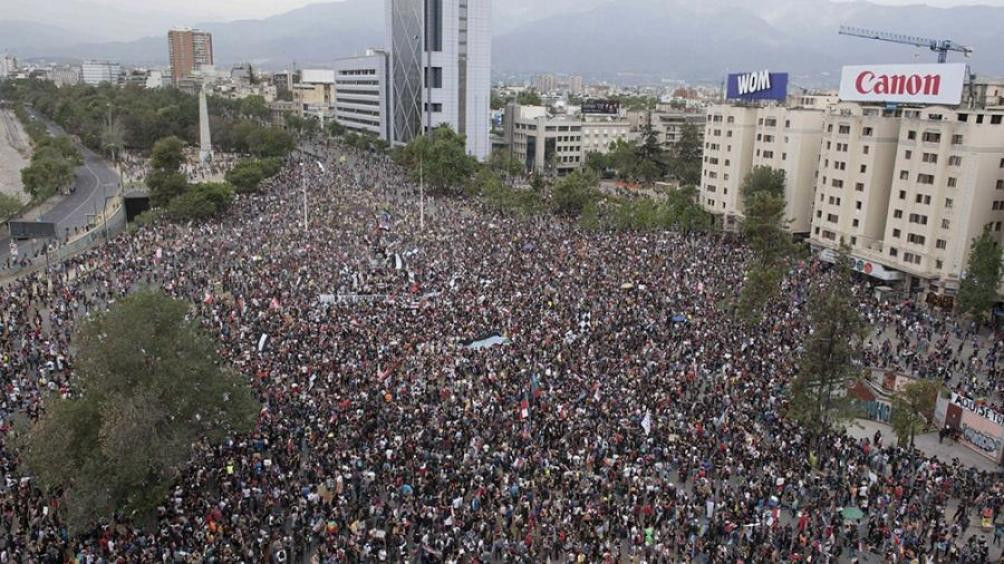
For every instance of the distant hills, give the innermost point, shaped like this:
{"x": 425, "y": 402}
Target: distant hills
{"x": 685, "y": 39}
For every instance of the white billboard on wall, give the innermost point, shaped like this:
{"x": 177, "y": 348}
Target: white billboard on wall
{"x": 317, "y": 76}
{"x": 909, "y": 84}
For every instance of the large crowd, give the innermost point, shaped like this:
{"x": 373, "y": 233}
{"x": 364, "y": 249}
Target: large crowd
{"x": 624, "y": 413}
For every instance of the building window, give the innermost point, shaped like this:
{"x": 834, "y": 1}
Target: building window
{"x": 864, "y": 168}
{"x": 859, "y": 187}
{"x": 436, "y": 77}
{"x": 946, "y": 224}
{"x": 932, "y": 137}
{"x": 893, "y": 252}
{"x": 904, "y": 175}
{"x": 908, "y": 154}
{"x": 855, "y": 223}
{"x": 952, "y": 182}
{"x": 915, "y": 239}
{"x": 954, "y": 161}
{"x": 948, "y": 203}
{"x": 911, "y": 135}
{"x": 956, "y": 139}
{"x": 857, "y": 205}
{"x": 929, "y": 158}
{"x": 925, "y": 179}
{"x": 902, "y": 194}
{"x": 941, "y": 244}
{"x": 896, "y": 233}
{"x": 897, "y": 214}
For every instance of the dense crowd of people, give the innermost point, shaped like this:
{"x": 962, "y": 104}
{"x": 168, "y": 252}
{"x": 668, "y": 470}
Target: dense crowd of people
{"x": 623, "y": 413}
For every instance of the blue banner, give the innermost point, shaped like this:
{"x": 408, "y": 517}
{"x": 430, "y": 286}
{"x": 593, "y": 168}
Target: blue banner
{"x": 762, "y": 85}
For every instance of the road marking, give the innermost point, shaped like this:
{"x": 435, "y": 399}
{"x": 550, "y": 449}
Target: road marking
{"x": 97, "y": 183}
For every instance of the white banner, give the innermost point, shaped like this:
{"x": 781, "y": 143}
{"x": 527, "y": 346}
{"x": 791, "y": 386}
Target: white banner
{"x": 912, "y": 84}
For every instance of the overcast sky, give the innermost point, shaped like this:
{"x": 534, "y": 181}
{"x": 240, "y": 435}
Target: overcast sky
{"x": 237, "y": 9}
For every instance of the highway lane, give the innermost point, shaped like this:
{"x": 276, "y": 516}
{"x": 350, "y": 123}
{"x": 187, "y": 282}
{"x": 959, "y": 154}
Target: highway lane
{"x": 95, "y": 181}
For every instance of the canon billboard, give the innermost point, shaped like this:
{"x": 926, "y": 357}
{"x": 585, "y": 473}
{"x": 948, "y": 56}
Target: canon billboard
{"x": 910, "y": 84}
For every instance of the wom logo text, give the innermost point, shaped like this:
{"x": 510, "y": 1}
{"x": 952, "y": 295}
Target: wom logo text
{"x": 753, "y": 82}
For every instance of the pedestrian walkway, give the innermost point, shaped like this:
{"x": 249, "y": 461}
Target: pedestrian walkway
{"x": 927, "y": 443}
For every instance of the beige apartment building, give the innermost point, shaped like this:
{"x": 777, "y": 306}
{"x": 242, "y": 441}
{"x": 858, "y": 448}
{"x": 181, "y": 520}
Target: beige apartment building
{"x": 936, "y": 182}
{"x": 738, "y": 138}
{"x": 855, "y": 178}
{"x": 729, "y": 139}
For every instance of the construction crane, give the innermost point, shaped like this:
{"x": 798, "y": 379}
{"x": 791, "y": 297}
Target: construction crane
{"x": 940, "y": 46}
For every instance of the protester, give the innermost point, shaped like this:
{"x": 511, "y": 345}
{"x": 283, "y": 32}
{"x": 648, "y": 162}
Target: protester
{"x": 625, "y": 413}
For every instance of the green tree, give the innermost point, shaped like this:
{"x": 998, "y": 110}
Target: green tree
{"x": 818, "y": 398}
{"x": 650, "y": 160}
{"x": 685, "y": 213}
{"x": 255, "y": 107}
{"x": 113, "y": 138}
{"x": 497, "y": 102}
{"x": 765, "y": 229}
{"x": 168, "y": 154}
{"x": 978, "y": 290}
{"x": 623, "y": 158}
{"x": 440, "y": 159}
{"x": 529, "y": 98}
{"x": 269, "y": 142}
{"x": 762, "y": 179}
{"x": 336, "y": 129}
{"x": 685, "y": 162}
{"x": 48, "y": 173}
{"x": 201, "y": 201}
{"x": 247, "y": 174}
{"x": 599, "y": 163}
{"x": 9, "y": 207}
{"x": 574, "y": 192}
{"x": 165, "y": 185}
{"x": 150, "y": 387}
{"x": 506, "y": 166}
{"x": 911, "y": 408}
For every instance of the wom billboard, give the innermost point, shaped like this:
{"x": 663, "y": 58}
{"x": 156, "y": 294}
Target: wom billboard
{"x": 909, "y": 84}
{"x": 763, "y": 85}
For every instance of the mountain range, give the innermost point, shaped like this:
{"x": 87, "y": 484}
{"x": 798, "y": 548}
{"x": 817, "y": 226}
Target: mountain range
{"x": 611, "y": 39}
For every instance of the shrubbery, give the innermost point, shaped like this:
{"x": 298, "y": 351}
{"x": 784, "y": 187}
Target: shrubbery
{"x": 201, "y": 201}
{"x": 247, "y": 175}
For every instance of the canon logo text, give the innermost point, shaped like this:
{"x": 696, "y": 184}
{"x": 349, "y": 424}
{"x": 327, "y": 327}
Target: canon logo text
{"x": 912, "y": 85}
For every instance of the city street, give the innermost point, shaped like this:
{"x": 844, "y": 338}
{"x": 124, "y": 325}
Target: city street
{"x": 96, "y": 180}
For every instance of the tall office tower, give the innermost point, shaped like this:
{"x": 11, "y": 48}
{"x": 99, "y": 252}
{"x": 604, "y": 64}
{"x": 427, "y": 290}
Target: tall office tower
{"x": 440, "y": 69}
{"x": 189, "y": 50}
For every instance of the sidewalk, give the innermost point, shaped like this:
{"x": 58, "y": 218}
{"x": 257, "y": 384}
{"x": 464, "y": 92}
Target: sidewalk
{"x": 926, "y": 443}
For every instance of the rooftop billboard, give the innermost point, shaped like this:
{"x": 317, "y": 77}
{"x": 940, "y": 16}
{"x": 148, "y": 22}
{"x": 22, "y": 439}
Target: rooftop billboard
{"x": 761, "y": 85}
{"x": 909, "y": 84}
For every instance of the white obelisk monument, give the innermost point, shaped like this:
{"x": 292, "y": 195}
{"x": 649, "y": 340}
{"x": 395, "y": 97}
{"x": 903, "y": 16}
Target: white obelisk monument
{"x": 205, "y": 141}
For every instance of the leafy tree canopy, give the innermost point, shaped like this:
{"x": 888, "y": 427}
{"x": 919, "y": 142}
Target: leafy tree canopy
{"x": 150, "y": 385}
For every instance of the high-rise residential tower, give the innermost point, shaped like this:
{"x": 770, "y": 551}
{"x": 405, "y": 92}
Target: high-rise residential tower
{"x": 440, "y": 69}
{"x": 189, "y": 50}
